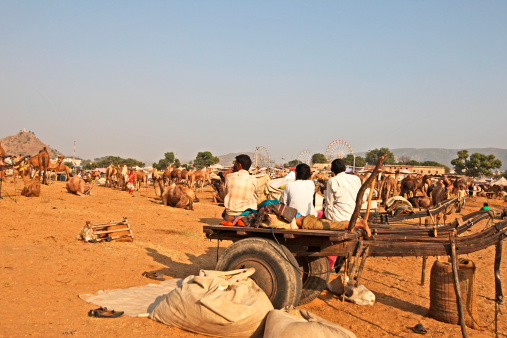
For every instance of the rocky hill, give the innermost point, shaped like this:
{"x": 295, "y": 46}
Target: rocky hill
{"x": 228, "y": 159}
{"x": 25, "y": 143}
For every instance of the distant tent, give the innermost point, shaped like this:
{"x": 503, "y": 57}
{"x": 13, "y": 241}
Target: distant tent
{"x": 406, "y": 171}
{"x": 501, "y": 182}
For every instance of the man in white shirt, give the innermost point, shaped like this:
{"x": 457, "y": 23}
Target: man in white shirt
{"x": 341, "y": 193}
{"x": 299, "y": 194}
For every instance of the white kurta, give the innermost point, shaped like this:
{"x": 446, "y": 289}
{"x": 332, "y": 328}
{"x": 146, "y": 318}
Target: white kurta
{"x": 340, "y": 197}
{"x": 299, "y": 195}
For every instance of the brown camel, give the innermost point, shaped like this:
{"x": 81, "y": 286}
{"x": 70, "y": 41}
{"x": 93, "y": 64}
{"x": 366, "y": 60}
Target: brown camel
{"x": 111, "y": 175}
{"x": 159, "y": 186}
{"x": 76, "y": 185}
{"x": 185, "y": 176}
{"x": 179, "y": 196}
{"x": 54, "y": 165}
{"x": 32, "y": 186}
{"x": 176, "y": 175}
{"x": 63, "y": 168}
{"x": 200, "y": 176}
{"x": 40, "y": 162}
{"x": 2, "y": 151}
{"x": 141, "y": 176}
{"x": 410, "y": 185}
{"x": 389, "y": 187}
{"x": 219, "y": 193}
{"x": 167, "y": 174}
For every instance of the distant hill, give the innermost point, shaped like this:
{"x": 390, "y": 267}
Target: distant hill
{"x": 445, "y": 156}
{"x": 228, "y": 159}
{"x": 25, "y": 143}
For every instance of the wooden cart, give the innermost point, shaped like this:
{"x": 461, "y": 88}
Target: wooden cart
{"x": 292, "y": 265}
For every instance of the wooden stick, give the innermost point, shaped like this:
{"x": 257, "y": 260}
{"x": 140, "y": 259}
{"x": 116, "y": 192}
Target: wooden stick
{"x": 359, "y": 198}
{"x": 456, "y": 283}
{"x": 425, "y": 258}
{"x": 368, "y": 206}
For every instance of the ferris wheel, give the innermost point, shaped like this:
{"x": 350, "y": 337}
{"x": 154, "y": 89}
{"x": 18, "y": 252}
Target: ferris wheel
{"x": 305, "y": 157}
{"x": 338, "y": 149}
{"x": 262, "y": 157}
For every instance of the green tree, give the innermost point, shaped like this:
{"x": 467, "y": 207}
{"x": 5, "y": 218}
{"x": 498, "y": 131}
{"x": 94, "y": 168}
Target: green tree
{"x": 205, "y": 159}
{"x": 164, "y": 162}
{"x": 436, "y": 164}
{"x": 459, "y": 163}
{"x": 478, "y": 164}
{"x": 349, "y": 160}
{"x": 294, "y": 163}
{"x": 176, "y": 163}
{"x": 319, "y": 158}
{"x": 372, "y": 156}
{"x": 106, "y": 161}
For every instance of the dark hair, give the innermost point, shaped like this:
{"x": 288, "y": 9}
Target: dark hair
{"x": 337, "y": 166}
{"x": 485, "y": 204}
{"x": 244, "y": 160}
{"x": 303, "y": 171}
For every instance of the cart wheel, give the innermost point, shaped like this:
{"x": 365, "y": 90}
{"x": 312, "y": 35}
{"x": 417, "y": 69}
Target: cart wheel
{"x": 315, "y": 278}
{"x": 275, "y": 268}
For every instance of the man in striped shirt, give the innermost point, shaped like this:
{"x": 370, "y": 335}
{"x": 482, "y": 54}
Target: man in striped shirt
{"x": 239, "y": 189}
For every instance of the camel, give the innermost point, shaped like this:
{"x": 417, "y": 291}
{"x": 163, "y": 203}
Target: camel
{"x": 410, "y": 185}
{"x": 63, "y": 168}
{"x": 159, "y": 186}
{"x": 32, "y": 186}
{"x": 179, "y": 196}
{"x": 167, "y": 174}
{"x": 389, "y": 187}
{"x": 185, "y": 176}
{"x": 141, "y": 176}
{"x": 200, "y": 176}
{"x": 110, "y": 175}
{"x": 40, "y": 163}
{"x": 154, "y": 174}
{"x": 53, "y": 165}
{"x": 2, "y": 152}
{"x": 176, "y": 175}
{"x": 76, "y": 185}
{"x": 219, "y": 193}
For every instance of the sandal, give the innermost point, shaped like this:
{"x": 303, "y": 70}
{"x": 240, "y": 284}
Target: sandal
{"x": 153, "y": 275}
{"x": 419, "y": 328}
{"x": 105, "y": 313}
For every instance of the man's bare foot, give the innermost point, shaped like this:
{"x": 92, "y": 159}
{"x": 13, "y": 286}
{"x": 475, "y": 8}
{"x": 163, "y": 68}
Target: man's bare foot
{"x": 362, "y": 224}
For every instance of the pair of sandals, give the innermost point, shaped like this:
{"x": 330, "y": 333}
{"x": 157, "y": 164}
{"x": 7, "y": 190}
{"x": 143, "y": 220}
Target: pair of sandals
{"x": 153, "y": 275}
{"x": 103, "y": 312}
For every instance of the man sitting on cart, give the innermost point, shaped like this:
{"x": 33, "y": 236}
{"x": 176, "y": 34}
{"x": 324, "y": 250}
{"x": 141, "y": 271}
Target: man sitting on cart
{"x": 240, "y": 189}
{"x": 339, "y": 202}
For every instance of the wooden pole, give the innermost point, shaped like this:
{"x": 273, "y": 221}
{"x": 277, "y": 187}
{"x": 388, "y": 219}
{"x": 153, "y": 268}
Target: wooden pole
{"x": 360, "y": 194}
{"x": 457, "y": 288}
{"x": 425, "y": 258}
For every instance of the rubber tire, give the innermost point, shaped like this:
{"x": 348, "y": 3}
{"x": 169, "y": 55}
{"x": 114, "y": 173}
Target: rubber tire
{"x": 313, "y": 285}
{"x": 281, "y": 282}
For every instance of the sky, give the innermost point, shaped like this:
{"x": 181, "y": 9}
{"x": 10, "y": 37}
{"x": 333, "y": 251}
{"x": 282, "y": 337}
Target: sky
{"x": 140, "y": 78}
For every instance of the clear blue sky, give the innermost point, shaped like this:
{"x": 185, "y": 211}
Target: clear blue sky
{"x": 140, "y": 78}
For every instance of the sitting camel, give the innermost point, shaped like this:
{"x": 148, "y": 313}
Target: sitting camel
{"x": 76, "y": 185}
{"x": 32, "y": 186}
{"x": 179, "y": 196}
{"x": 219, "y": 193}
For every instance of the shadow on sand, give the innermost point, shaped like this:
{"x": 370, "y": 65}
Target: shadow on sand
{"x": 174, "y": 269}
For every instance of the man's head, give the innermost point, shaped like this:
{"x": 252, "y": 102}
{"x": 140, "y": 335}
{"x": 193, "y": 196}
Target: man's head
{"x": 486, "y": 204}
{"x": 242, "y": 162}
{"x": 303, "y": 172}
{"x": 338, "y": 166}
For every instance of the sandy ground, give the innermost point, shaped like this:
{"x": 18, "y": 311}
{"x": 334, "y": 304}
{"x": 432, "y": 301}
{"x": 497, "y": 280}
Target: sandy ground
{"x": 43, "y": 268}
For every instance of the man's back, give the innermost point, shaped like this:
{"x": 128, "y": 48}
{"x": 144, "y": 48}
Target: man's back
{"x": 239, "y": 192}
{"x": 340, "y": 197}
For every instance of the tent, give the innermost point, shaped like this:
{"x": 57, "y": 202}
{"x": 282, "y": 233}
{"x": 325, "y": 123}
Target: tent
{"x": 501, "y": 182}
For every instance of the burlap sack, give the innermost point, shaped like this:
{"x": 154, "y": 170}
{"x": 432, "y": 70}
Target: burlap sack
{"x": 216, "y": 303}
{"x": 295, "y": 323}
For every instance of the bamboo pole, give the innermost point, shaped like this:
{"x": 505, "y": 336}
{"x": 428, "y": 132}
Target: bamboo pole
{"x": 457, "y": 288}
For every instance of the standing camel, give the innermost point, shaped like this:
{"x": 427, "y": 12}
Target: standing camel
{"x": 40, "y": 162}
